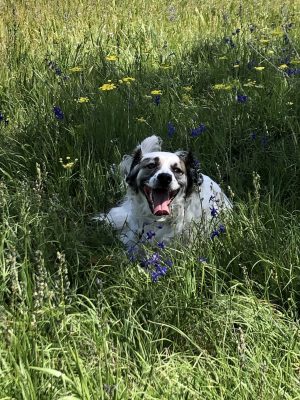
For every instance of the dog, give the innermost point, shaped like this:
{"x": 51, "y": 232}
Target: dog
{"x": 166, "y": 196}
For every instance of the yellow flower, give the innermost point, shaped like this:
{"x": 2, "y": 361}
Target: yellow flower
{"x": 222, "y": 86}
{"x": 186, "y": 98}
{"x": 107, "y": 86}
{"x": 187, "y": 88}
{"x": 277, "y": 32}
{"x": 249, "y": 83}
{"x": 270, "y": 52}
{"x": 127, "y": 80}
{"x": 283, "y": 66}
{"x": 165, "y": 66}
{"x": 156, "y": 92}
{"x": 259, "y": 68}
{"x": 295, "y": 62}
{"x": 75, "y": 69}
{"x": 141, "y": 119}
{"x": 69, "y": 164}
{"x": 111, "y": 58}
{"x": 82, "y": 100}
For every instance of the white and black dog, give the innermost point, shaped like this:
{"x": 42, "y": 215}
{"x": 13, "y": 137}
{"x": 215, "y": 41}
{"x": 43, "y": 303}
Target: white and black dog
{"x": 166, "y": 195}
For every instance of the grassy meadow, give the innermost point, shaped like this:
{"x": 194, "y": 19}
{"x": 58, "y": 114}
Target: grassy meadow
{"x": 81, "y": 83}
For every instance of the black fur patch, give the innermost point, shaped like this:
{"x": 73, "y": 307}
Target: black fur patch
{"x": 131, "y": 177}
{"x": 194, "y": 177}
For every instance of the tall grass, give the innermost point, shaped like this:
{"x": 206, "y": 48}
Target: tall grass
{"x": 78, "y": 319}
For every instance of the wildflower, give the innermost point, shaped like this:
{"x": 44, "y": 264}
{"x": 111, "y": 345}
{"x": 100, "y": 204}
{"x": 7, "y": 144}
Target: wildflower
{"x": 69, "y": 164}
{"x": 223, "y": 58}
{"x": 253, "y": 135}
{"x": 222, "y": 86}
{"x": 230, "y": 42}
{"x": 128, "y": 80}
{"x": 58, "y": 113}
{"x": 132, "y": 253}
{"x": 203, "y": 259}
{"x": 186, "y": 98}
{"x": 156, "y": 100}
{"x": 249, "y": 83}
{"x": 1, "y": 117}
{"x": 111, "y": 58}
{"x": 259, "y": 68}
{"x": 150, "y": 235}
{"x": 82, "y": 100}
{"x": 264, "y": 41}
{"x": 295, "y": 61}
{"x": 160, "y": 271}
{"x": 58, "y": 71}
{"x": 156, "y": 92}
{"x": 216, "y": 233}
{"x": 213, "y": 211}
{"x": 222, "y": 228}
{"x": 293, "y": 71}
{"x": 187, "y": 88}
{"x": 141, "y": 119}
{"x": 282, "y": 67}
{"x": 165, "y": 66}
{"x": 161, "y": 245}
{"x": 75, "y": 69}
{"x": 171, "y": 129}
{"x": 198, "y": 130}
{"x": 241, "y": 98}
{"x": 169, "y": 262}
{"x": 107, "y": 86}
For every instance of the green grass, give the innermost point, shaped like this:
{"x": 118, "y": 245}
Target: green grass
{"x": 80, "y": 321}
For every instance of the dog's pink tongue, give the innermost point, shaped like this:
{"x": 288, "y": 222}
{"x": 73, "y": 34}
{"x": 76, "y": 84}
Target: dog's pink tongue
{"x": 161, "y": 202}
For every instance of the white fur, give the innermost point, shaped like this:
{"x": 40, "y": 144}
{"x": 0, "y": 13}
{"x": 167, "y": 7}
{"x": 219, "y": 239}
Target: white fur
{"x": 133, "y": 218}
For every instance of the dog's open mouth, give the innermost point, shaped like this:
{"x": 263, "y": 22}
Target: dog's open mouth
{"x": 160, "y": 199}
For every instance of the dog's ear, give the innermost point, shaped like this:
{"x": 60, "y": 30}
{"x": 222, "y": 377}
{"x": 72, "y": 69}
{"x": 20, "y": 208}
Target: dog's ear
{"x": 150, "y": 144}
{"x": 192, "y": 165}
{"x": 136, "y": 158}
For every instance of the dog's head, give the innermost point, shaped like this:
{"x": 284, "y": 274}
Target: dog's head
{"x": 160, "y": 177}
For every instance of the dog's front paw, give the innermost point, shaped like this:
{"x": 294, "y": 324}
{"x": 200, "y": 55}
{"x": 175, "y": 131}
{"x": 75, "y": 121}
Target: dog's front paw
{"x": 100, "y": 218}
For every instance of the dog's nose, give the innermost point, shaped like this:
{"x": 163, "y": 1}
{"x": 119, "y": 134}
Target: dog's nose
{"x": 164, "y": 178}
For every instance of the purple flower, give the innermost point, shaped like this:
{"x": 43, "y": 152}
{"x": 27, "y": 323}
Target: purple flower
{"x": 217, "y": 232}
{"x": 241, "y": 98}
{"x": 169, "y": 262}
{"x": 198, "y": 130}
{"x": 253, "y": 135}
{"x": 202, "y": 259}
{"x": 293, "y": 71}
{"x": 1, "y": 117}
{"x": 222, "y": 229}
{"x": 213, "y": 211}
{"x": 150, "y": 235}
{"x": 58, "y": 113}
{"x": 214, "y": 234}
{"x": 156, "y": 99}
{"x": 161, "y": 245}
{"x": 171, "y": 129}
{"x": 160, "y": 271}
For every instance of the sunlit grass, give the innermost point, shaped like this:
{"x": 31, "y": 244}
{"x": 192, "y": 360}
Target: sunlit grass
{"x": 80, "y": 84}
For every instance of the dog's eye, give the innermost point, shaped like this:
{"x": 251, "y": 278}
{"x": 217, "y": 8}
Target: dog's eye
{"x": 151, "y": 165}
{"x": 177, "y": 170}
